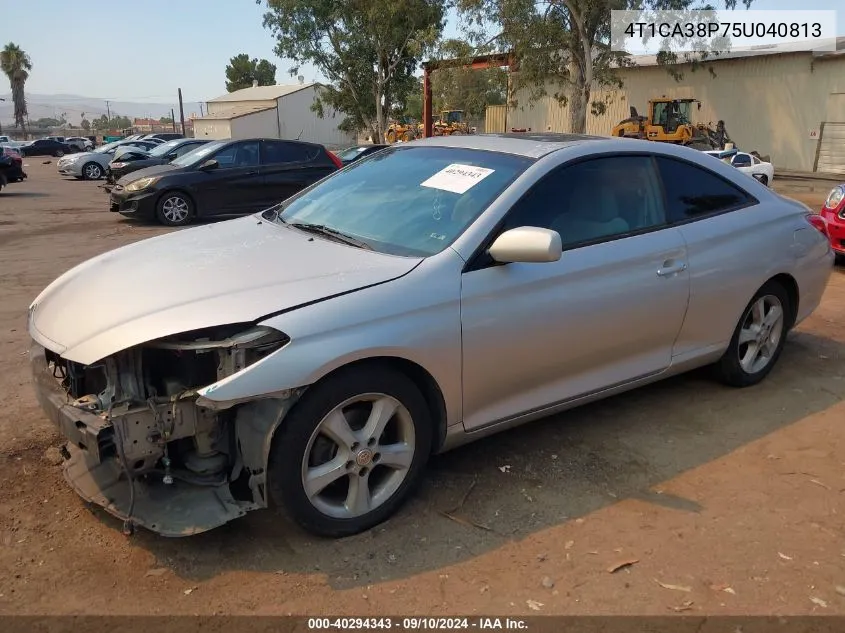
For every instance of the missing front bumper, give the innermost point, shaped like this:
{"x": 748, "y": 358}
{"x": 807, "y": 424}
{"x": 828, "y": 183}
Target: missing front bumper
{"x": 177, "y": 509}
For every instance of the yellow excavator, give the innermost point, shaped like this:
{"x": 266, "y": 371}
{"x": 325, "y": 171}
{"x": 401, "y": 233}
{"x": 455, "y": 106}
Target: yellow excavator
{"x": 670, "y": 121}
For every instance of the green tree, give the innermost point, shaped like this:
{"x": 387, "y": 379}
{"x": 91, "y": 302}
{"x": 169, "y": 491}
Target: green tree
{"x": 566, "y": 44}
{"x": 165, "y": 120}
{"x": 368, "y": 49}
{"x": 46, "y": 122}
{"x": 463, "y": 88}
{"x": 101, "y": 123}
{"x": 120, "y": 123}
{"x": 86, "y": 124}
{"x": 242, "y": 71}
{"x": 16, "y": 64}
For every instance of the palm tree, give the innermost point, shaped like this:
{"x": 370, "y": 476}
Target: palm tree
{"x": 16, "y": 64}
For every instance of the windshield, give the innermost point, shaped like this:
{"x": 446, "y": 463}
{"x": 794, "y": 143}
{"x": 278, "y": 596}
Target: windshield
{"x": 162, "y": 149}
{"x": 105, "y": 149}
{"x": 410, "y": 201}
{"x": 195, "y": 156}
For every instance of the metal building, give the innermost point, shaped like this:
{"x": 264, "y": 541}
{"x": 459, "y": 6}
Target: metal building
{"x": 280, "y": 111}
{"x": 784, "y": 103}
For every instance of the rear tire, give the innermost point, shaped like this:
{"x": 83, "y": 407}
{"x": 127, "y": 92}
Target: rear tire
{"x": 764, "y": 179}
{"x": 390, "y": 137}
{"x": 58, "y": 153}
{"x": 758, "y": 339}
{"x": 335, "y": 469}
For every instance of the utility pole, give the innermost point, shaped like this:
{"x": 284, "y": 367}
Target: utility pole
{"x": 108, "y": 111}
{"x": 181, "y": 112}
{"x": 201, "y": 112}
{"x": 173, "y": 119}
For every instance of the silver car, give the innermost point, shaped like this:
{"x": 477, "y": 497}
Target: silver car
{"x": 92, "y": 165}
{"x": 317, "y": 354}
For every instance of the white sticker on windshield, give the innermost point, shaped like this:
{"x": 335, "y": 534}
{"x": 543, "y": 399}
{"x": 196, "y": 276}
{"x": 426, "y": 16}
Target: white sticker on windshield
{"x": 457, "y": 178}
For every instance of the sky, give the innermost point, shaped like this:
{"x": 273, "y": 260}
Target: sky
{"x": 145, "y": 51}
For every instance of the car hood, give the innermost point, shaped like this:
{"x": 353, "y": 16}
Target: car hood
{"x": 155, "y": 170}
{"x": 236, "y": 271}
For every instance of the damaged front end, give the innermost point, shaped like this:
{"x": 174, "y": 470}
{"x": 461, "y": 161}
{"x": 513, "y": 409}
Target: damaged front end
{"x": 143, "y": 447}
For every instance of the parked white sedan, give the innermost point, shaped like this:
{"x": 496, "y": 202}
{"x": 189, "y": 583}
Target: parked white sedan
{"x": 749, "y": 164}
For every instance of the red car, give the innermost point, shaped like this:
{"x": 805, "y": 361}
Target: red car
{"x": 833, "y": 213}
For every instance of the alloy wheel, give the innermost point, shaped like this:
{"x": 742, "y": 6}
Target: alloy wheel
{"x": 760, "y": 334}
{"x": 175, "y": 209}
{"x": 358, "y": 456}
{"x": 93, "y": 171}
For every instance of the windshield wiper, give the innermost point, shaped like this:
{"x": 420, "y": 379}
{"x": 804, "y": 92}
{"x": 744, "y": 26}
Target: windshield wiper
{"x": 322, "y": 229}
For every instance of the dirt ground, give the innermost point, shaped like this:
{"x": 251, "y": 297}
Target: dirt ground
{"x": 721, "y": 501}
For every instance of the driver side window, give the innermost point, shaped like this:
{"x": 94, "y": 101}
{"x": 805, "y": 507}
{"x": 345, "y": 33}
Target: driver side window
{"x": 594, "y": 201}
{"x": 238, "y": 155}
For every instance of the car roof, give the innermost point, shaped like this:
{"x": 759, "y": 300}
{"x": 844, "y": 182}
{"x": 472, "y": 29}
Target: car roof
{"x": 530, "y": 145}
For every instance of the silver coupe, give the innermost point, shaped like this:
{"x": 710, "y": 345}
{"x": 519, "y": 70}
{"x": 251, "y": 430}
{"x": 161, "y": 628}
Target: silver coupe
{"x": 316, "y": 355}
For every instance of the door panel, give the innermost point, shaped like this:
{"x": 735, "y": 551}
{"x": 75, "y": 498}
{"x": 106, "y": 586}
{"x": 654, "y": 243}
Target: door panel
{"x": 538, "y": 334}
{"x": 235, "y": 186}
{"x": 606, "y": 313}
{"x": 287, "y": 168}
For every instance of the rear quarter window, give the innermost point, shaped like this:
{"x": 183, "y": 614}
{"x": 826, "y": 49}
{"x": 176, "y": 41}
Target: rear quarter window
{"x": 694, "y": 192}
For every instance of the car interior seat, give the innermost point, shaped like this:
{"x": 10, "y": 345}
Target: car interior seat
{"x": 593, "y": 212}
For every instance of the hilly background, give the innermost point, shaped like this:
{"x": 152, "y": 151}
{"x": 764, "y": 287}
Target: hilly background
{"x": 40, "y": 106}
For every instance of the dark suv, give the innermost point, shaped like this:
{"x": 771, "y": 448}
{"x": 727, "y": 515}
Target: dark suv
{"x": 222, "y": 178}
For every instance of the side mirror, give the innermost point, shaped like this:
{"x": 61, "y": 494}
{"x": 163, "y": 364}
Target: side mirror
{"x": 527, "y": 244}
{"x": 209, "y": 165}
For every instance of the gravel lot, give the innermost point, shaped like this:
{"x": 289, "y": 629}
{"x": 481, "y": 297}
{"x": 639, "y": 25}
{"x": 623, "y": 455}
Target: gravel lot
{"x": 721, "y": 501}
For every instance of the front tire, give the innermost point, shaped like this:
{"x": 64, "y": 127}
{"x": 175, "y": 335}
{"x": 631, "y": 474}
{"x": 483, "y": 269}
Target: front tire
{"x": 59, "y": 153}
{"x": 174, "y": 209}
{"x": 351, "y": 451}
{"x": 758, "y": 339}
{"x": 764, "y": 179}
{"x": 92, "y": 171}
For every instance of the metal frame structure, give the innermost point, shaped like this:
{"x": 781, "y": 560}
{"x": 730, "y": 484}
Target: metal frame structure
{"x": 496, "y": 60}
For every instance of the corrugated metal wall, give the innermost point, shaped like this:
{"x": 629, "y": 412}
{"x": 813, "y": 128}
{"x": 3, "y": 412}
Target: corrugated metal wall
{"x": 216, "y": 107}
{"x": 832, "y": 149}
{"x": 769, "y": 103}
{"x": 255, "y": 125}
{"x": 212, "y": 129}
{"x": 495, "y": 118}
{"x": 297, "y": 120}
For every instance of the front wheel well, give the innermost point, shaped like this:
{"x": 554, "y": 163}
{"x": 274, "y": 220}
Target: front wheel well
{"x": 424, "y": 381}
{"x": 791, "y": 286}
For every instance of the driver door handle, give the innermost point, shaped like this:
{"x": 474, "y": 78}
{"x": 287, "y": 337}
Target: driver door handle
{"x": 670, "y": 268}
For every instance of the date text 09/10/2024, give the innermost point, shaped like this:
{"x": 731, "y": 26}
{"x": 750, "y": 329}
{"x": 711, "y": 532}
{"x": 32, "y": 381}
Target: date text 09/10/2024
{"x": 416, "y": 624}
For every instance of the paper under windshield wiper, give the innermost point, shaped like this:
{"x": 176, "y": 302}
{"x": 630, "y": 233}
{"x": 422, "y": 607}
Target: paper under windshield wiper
{"x": 322, "y": 229}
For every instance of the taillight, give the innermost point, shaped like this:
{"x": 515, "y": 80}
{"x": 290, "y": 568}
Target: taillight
{"x": 337, "y": 162}
{"x": 818, "y": 222}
